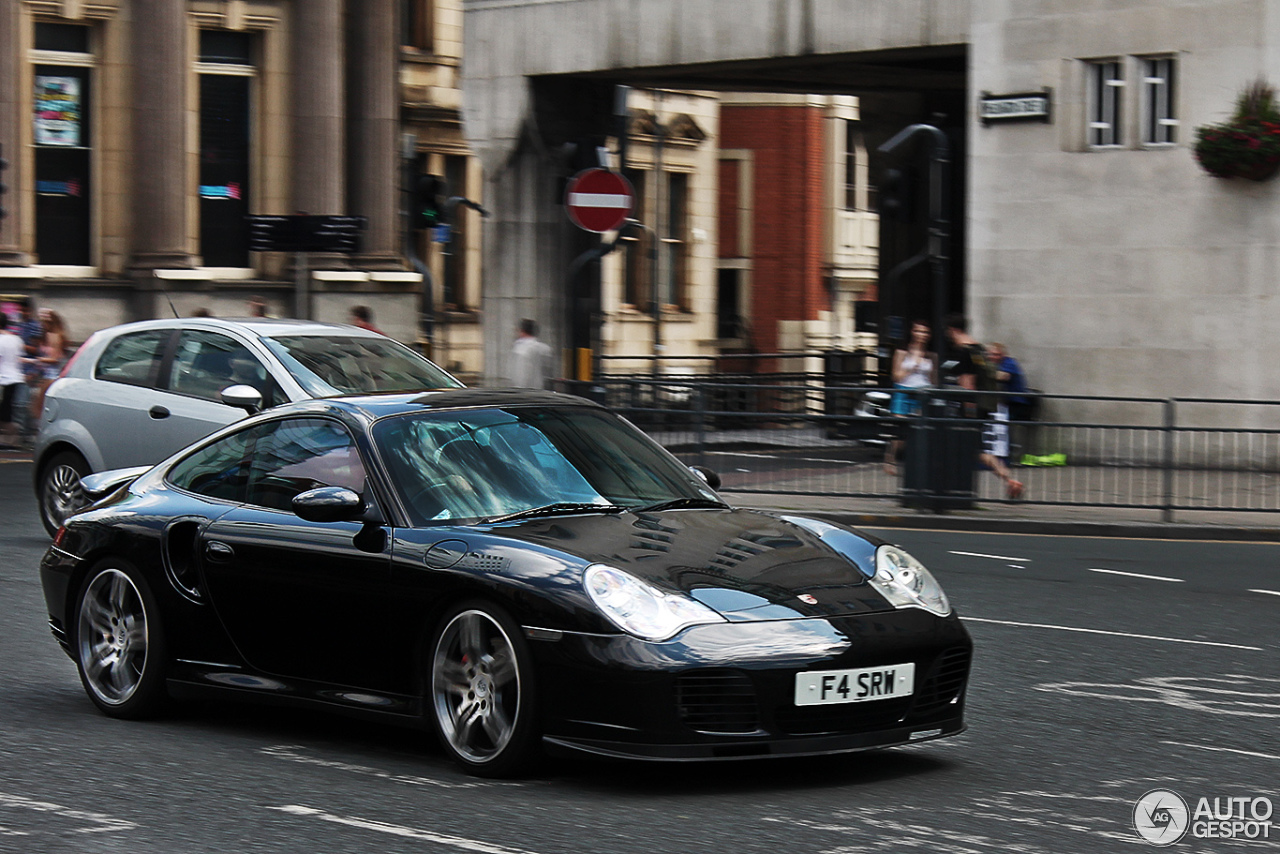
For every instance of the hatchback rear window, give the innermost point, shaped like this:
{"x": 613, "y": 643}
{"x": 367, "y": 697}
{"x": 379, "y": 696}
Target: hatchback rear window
{"x": 133, "y": 358}
{"x": 327, "y": 366}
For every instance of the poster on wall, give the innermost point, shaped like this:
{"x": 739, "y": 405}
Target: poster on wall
{"x": 57, "y": 111}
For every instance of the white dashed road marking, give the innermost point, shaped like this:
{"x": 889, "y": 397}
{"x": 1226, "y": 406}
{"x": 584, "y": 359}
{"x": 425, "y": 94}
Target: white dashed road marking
{"x": 1105, "y": 632}
{"x": 294, "y": 753}
{"x": 1268, "y": 592}
{"x": 96, "y": 821}
{"x": 992, "y": 557}
{"x": 400, "y": 830}
{"x": 1223, "y": 750}
{"x": 1138, "y": 575}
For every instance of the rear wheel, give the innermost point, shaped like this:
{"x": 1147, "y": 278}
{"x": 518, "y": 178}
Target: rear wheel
{"x": 59, "y": 489}
{"x": 482, "y": 693}
{"x": 119, "y": 643}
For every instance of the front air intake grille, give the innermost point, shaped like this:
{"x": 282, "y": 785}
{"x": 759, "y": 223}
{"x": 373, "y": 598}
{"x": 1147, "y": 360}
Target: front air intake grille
{"x": 60, "y": 634}
{"x": 944, "y": 683}
{"x": 841, "y": 718}
{"x": 717, "y": 701}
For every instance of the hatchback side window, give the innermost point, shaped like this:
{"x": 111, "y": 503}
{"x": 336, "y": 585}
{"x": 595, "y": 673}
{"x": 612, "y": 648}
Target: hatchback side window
{"x": 206, "y": 362}
{"x": 219, "y": 470}
{"x": 134, "y": 358}
{"x": 302, "y": 454}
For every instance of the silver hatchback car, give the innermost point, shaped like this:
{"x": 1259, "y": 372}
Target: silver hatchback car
{"x": 134, "y": 394}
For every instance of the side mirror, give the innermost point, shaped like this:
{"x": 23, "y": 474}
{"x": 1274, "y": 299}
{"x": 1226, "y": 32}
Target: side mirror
{"x": 244, "y": 397}
{"x": 709, "y": 477}
{"x": 328, "y": 504}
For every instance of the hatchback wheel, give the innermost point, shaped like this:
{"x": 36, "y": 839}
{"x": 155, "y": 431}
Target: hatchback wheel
{"x": 119, "y": 643}
{"x": 59, "y": 489}
{"x": 482, "y": 690}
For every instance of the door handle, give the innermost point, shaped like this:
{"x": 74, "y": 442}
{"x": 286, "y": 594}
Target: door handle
{"x": 218, "y": 552}
{"x": 158, "y": 412}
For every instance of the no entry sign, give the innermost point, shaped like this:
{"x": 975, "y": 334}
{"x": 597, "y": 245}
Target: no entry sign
{"x": 598, "y": 200}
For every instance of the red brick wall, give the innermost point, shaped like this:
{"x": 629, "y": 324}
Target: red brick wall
{"x": 728, "y": 209}
{"x": 788, "y": 212}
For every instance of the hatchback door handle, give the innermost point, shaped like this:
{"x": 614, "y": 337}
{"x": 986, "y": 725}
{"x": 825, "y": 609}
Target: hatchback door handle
{"x": 158, "y": 412}
{"x": 219, "y": 552}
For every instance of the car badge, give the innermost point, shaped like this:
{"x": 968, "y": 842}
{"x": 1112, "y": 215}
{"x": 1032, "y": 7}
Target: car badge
{"x": 807, "y": 599}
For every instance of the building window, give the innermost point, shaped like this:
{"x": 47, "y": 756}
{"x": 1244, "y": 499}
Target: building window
{"x": 675, "y": 241}
{"x": 63, "y": 139}
{"x": 1159, "y": 118}
{"x": 1106, "y": 86}
{"x": 851, "y": 142}
{"x": 730, "y": 324}
{"x": 635, "y": 285}
{"x": 419, "y": 24}
{"x": 226, "y": 76}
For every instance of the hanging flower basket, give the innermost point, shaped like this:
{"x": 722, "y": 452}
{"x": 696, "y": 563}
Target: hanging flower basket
{"x": 1248, "y": 144}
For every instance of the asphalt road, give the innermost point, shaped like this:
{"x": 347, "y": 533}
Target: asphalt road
{"x": 1104, "y": 668}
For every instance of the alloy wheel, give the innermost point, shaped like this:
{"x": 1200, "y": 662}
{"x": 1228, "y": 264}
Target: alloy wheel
{"x": 112, "y": 637}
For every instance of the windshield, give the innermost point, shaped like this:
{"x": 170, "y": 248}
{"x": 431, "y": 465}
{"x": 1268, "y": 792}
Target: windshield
{"x": 327, "y": 366}
{"x": 486, "y": 463}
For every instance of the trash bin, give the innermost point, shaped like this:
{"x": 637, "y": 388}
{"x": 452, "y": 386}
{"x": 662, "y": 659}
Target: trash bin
{"x": 941, "y": 458}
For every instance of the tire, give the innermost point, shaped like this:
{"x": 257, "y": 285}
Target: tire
{"x": 59, "y": 492}
{"x": 481, "y": 695}
{"x": 119, "y": 643}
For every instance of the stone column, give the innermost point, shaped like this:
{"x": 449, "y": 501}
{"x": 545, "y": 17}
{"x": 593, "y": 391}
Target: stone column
{"x": 317, "y": 95}
{"x": 10, "y": 254}
{"x": 159, "y": 106}
{"x": 373, "y": 107}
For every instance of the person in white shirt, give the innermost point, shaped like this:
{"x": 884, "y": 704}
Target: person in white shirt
{"x": 530, "y": 358}
{"x": 11, "y": 379}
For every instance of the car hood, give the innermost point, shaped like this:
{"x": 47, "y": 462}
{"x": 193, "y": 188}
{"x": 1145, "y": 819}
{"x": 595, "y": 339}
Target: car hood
{"x": 745, "y": 564}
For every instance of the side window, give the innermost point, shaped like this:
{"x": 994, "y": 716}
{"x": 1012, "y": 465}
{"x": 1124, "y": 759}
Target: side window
{"x": 301, "y": 454}
{"x": 219, "y": 470}
{"x": 206, "y": 362}
{"x": 133, "y": 359}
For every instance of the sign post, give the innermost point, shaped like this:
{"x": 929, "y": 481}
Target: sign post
{"x": 598, "y": 200}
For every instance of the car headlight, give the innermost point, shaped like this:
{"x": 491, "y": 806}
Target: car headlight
{"x": 639, "y": 608}
{"x": 905, "y": 582}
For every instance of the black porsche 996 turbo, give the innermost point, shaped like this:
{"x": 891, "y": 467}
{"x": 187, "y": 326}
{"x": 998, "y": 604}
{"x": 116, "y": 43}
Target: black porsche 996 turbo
{"x": 519, "y": 571}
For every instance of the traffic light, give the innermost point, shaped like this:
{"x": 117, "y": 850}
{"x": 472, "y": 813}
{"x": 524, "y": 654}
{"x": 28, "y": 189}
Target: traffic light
{"x": 4, "y": 164}
{"x": 429, "y": 202}
{"x": 897, "y": 195}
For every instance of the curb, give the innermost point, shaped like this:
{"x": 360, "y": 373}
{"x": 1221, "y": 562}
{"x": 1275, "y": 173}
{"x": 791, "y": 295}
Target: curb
{"x": 1134, "y": 530}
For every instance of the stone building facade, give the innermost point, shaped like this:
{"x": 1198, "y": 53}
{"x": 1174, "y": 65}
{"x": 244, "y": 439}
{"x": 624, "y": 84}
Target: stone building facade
{"x": 140, "y": 132}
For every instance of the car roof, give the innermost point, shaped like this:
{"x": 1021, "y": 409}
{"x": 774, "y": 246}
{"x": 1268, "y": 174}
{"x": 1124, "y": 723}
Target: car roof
{"x": 260, "y": 327}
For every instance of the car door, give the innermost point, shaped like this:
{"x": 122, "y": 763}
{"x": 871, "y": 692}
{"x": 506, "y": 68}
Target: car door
{"x": 121, "y": 408}
{"x": 203, "y": 364}
{"x": 305, "y": 600}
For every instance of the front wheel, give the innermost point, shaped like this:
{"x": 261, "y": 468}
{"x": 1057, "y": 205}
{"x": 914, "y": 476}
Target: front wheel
{"x": 119, "y": 642}
{"x": 59, "y": 489}
{"x": 482, "y": 693}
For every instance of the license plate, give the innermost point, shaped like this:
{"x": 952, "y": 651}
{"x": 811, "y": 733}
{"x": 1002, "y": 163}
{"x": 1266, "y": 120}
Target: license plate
{"x": 824, "y": 687}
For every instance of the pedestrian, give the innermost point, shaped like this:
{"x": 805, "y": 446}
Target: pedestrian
{"x": 969, "y": 367}
{"x": 202, "y": 312}
{"x": 31, "y": 333}
{"x": 258, "y": 307}
{"x": 1012, "y": 379}
{"x": 530, "y": 358}
{"x": 11, "y": 380}
{"x": 914, "y": 367}
{"x": 53, "y": 355}
{"x": 362, "y": 316}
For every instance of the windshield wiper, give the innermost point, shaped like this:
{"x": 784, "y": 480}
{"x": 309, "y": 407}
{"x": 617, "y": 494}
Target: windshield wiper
{"x": 674, "y": 503}
{"x": 558, "y": 508}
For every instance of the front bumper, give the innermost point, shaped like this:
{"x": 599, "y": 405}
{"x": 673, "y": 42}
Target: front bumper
{"x": 727, "y": 691}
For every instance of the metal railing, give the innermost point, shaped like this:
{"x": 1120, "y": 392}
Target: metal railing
{"x": 813, "y": 439}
